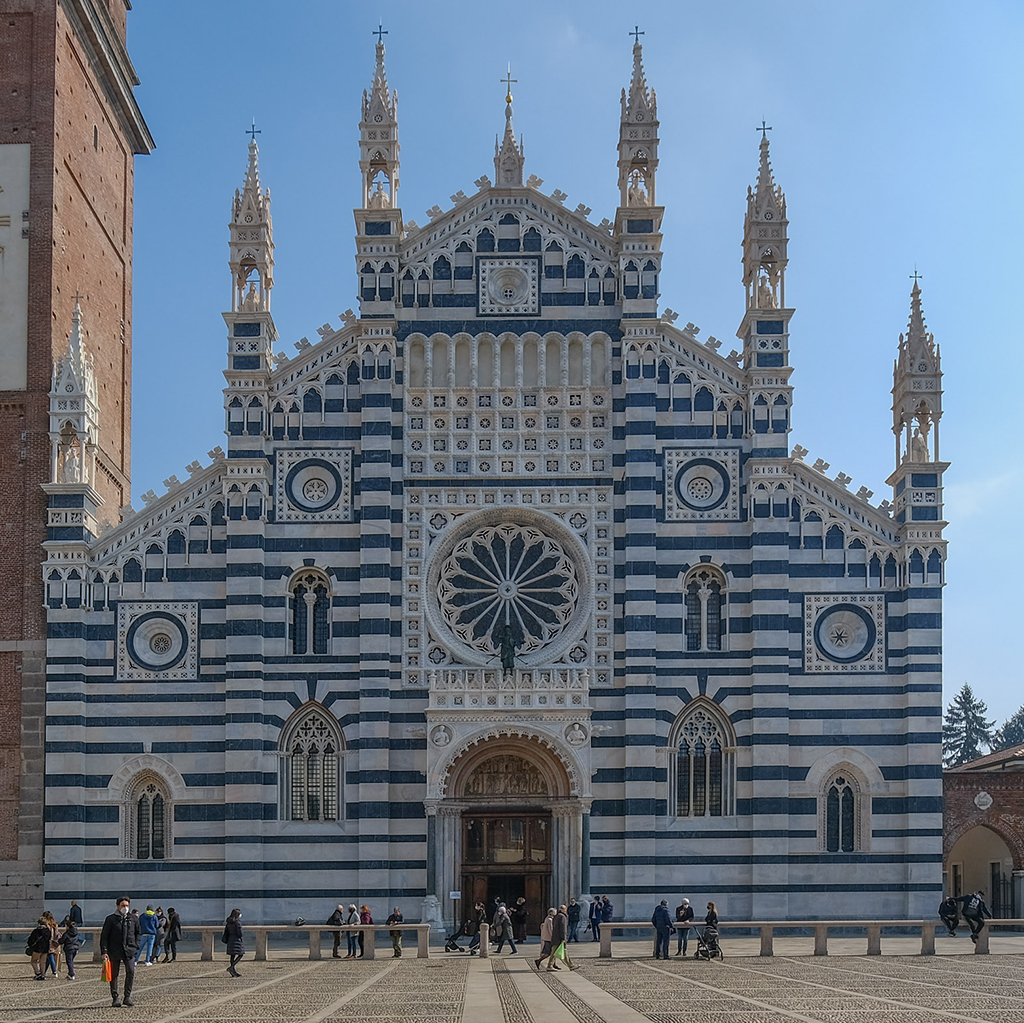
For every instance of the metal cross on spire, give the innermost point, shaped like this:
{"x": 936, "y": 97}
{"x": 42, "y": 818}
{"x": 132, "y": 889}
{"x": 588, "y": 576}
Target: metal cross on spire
{"x": 253, "y": 131}
{"x": 915, "y": 276}
{"x": 508, "y": 80}
{"x": 636, "y": 34}
{"x": 380, "y": 31}
{"x": 78, "y": 297}
{"x": 764, "y": 129}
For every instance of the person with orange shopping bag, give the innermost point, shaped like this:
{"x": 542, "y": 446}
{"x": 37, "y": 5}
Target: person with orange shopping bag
{"x": 119, "y": 944}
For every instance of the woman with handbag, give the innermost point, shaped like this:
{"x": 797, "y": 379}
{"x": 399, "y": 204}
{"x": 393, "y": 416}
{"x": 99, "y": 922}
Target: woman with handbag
{"x": 235, "y": 940}
{"x": 38, "y": 948}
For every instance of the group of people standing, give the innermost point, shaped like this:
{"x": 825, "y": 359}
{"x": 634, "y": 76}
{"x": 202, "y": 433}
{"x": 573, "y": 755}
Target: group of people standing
{"x": 664, "y": 925}
{"x": 50, "y": 942}
{"x": 353, "y": 917}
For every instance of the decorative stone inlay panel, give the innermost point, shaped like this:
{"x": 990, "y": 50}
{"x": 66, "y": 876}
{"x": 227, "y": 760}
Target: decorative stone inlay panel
{"x": 844, "y": 632}
{"x": 459, "y": 689}
{"x": 509, "y": 285}
{"x": 157, "y": 641}
{"x": 702, "y": 484}
{"x": 314, "y": 485}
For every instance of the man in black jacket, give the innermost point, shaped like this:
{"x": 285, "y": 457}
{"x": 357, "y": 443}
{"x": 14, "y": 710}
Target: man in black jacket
{"x": 119, "y": 942}
{"x": 336, "y": 919}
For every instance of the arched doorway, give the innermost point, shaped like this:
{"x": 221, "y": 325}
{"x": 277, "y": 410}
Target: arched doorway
{"x": 509, "y": 826}
{"x": 980, "y": 859}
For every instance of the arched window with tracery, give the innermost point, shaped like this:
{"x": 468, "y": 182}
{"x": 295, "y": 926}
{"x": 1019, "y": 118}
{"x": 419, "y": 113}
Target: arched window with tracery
{"x": 704, "y": 601}
{"x": 311, "y": 773}
{"x": 147, "y": 820}
{"x": 841, "y": 812}
{"x": 705, "y": 764}
{"x": 311, "y": 602}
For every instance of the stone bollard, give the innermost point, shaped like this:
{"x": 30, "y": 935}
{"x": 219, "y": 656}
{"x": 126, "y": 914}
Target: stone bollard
{"x": 927, "y": 938}
{"x": 485, "y": 940}
{"x": 767, "y": 940}
{"x": 261, "y": 946}
{"x": 821, "y": 939}
{"x": 606, "y": 942}
{"x": 981, "y": 945}
{"x": 369, "y": 944}
{"x": 314, "y": 944}
{"x": 423, "y": 942}
{"x": 874, "y": 939}
{"x": 206, "y": 955}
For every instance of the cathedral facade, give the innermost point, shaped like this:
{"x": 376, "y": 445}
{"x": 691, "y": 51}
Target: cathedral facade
{"x": 507, "y": 585}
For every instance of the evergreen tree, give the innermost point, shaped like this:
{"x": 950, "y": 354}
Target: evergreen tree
{"x": 1011, "y": 733}
{"x": 965, "y": 729}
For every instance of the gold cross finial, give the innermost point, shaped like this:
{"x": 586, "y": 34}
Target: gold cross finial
{"x": 508, "y": 80}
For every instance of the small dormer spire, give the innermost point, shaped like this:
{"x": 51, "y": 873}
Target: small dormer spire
{"x": 378, "y": 136}
{"x": 508, "y": 155}
{"x": 251, "y": 241}
{"x": 74, "y": 410}
{"x": 638, "y": 136}
{"x": 765, "y": 236}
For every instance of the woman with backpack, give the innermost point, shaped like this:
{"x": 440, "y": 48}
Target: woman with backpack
{"x": 38, "y": 948}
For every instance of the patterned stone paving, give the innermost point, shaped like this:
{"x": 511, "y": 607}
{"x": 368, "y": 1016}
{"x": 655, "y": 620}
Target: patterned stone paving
{"x": 836, "y": 989}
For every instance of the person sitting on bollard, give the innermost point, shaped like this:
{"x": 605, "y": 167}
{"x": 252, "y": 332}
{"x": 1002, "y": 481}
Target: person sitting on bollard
{"x": 975, "y": 912}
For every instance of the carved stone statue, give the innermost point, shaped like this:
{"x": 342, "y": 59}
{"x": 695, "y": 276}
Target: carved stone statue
{"x": 635, "y": 194}
{"x": 765, "y": 296}
{"x": 504, "y": 637}
{"x": 379, "y": 200}
{"x": 251, "y": 302}
{"x": 71, "y": 470}
{"x": 918, "y": 447}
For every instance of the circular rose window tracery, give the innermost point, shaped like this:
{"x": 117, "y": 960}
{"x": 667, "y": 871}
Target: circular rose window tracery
{"x": 509, "y": 583}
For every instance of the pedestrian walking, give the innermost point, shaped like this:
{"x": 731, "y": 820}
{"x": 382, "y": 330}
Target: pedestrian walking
{"x": 148, "y": 926}
{"x": 396, "y": 935}
{"x": 662, "y": 921}
{"x": 949, "y": 914}
{"x": 119, "y": 945}
{"x": 54, "y": 943}
{"x": 503, "y": 931}
{"x": 234, "y": 939}
{"x": 474, "y": 924}
{"x": 75, "y": 913}
{"x": 336, "y": 919}
{"x": 606, "y": 910}
{"x": 975, "y": 912}
{"x": 364, "y": 918}
{"x": 173, "y": 935}
{"x": 38, "y": 947}
{"x": 161, "y": 934}
{"x": 684, "y": 914}
{"x": 595, "y": 919}
{"x": 545, "y": 936}
{"x": 520, "y": 913}
{"x": 559, "y": 932}
{"x": 71, "y": 945}
{"x": 352, "y": 936}
{"x": 575, "y": 911}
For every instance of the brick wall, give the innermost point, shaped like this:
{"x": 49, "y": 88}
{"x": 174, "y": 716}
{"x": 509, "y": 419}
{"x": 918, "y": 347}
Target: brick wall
{"x": 1005, "y": 816}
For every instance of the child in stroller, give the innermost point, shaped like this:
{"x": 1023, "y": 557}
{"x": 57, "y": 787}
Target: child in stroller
{"x": 707, "y": 940}
{"x": 451, "y": 943}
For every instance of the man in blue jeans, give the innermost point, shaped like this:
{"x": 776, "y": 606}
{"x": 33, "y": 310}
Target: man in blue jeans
{"x": 148, "y": 926}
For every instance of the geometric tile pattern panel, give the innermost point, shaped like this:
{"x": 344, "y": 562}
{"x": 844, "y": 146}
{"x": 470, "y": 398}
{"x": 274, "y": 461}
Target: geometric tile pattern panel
{"x": 314, "y": 486}
{"x": 157, "y": 641}
{"x": 844, "y": 632}
{"x": 702, "y": 484}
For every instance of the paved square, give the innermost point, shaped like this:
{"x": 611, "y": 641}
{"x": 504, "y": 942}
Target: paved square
{"x": 454, "y": 989}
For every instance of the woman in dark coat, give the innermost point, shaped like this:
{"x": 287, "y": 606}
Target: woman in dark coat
{"x": 235, "y": 940}
{"x": 519, "y": 918}
{"x": 173, "y": 935}
{"x": 71, "y": 944}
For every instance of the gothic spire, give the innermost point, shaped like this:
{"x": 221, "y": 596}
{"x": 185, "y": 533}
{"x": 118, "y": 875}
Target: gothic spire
{"x": 76, "y": 365}
{"x": 765, "y": 236}
{"x": 508, "y": 156}
{"x": 638, "y": 136}
{"x": 251, "y": 238}
{"x": 917, "y": 387}
{"x": 641, "y": 104}
{"x": 378, "y": 137}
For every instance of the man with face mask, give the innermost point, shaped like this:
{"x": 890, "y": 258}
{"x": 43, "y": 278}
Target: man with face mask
{"x": 119, "y": 943}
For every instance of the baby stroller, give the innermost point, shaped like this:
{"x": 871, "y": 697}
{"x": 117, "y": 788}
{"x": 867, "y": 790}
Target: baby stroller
{"x": 451, "y": 943}
{"x": 707, "y": 944}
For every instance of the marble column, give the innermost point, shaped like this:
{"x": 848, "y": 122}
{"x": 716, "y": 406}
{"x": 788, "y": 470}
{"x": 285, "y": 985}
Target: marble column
{"x": 448, "y": 858}
{"x": 566, "y": 849}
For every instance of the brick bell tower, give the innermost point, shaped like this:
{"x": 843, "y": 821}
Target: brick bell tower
{"x": 69, "y": 132}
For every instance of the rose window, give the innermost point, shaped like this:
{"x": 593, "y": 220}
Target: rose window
{"x": 508, "y": 584}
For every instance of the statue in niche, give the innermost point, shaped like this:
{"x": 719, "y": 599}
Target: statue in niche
{"x": 251, "y": 302}
{"x": 71, "y": 469}
{"x": 765, "y": 295}
{"x": 919, "y": 446}
{"x": 379, "y": 200}
{"x": 504, "y": 638}
{"x": 635, "y": 194}
{"x": 506, "y": 775}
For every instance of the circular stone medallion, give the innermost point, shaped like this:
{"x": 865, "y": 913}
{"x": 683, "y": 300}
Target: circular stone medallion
{"x": 157, "y": 641}
{"x": 702, "y": 484}
{"x": 844, "y": 633}
{"x": 982, "y": 800}
{"x": 509, "y": 285}
{"x": 313, "y": 485}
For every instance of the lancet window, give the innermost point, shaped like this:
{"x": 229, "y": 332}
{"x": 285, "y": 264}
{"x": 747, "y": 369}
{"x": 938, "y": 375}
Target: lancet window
{"x": 310, "y": 601}
{"x": 310, "y": 768}
{"x": 705, "y": 609}
{"x": 705, "y": 764}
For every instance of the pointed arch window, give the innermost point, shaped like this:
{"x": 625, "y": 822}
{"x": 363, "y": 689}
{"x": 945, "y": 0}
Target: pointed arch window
{"x": 147, "y": 819}
{"x": 704, "y": 764}
{"x": 842, "y": 813}
{"x": 311, "y": 756}
{"x": 310, "y": 605}
{"x": 705, "y": 609}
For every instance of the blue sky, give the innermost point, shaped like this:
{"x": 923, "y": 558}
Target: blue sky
{"x": 897, "y": 138}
